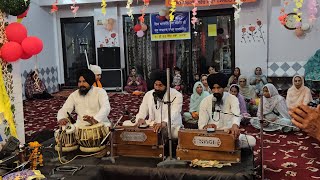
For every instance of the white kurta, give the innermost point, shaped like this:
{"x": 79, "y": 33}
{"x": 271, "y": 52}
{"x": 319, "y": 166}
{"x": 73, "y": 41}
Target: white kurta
{"x": 159, "y": 113}
{"x": 95, "y": 103}
{"x": 221, "y": 120}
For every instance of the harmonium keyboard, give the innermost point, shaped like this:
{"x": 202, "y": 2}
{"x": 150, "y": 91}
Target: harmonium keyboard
{"x": 137, "y": 142}
{"x": 200, "y": 144}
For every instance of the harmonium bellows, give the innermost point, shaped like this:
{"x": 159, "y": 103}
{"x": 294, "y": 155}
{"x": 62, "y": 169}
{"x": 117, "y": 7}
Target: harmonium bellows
{"x": 200, "y": 144}
{"x": 137, "y": 142}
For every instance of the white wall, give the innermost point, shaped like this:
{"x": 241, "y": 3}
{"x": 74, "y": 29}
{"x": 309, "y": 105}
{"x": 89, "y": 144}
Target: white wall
{"x": 251, "y": 54}
{"x": 284, "y": 45}
{"x": 39, "y": 22}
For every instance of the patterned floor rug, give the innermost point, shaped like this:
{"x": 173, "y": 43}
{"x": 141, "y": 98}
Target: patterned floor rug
{"x": 292, "y": 155}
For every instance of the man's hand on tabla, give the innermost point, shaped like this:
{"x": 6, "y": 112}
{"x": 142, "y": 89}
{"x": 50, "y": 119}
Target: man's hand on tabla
{"x": 63, "y": 122}
{"x": 90, "y": 119}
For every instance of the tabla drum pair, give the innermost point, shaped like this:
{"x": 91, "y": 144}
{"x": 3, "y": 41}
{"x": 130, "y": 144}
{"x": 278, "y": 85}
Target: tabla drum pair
{"x": 88, "y": 137}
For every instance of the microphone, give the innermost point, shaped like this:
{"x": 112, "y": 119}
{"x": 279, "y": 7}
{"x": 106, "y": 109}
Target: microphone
{"x": 214, "y": 100}
{"x": 155, "y": 98}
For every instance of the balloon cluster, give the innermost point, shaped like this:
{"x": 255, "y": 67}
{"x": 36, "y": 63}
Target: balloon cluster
{"x": 19, "y": 46}
{"x": 54, "y": 7}
{"x": 164, "y": 14}
{"x": 139, "y": 29}
{"x": 297, "y": 10}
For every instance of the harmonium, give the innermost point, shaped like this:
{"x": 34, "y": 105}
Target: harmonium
{"x": 137, "y": 142}
{"x": 200, "y": 144}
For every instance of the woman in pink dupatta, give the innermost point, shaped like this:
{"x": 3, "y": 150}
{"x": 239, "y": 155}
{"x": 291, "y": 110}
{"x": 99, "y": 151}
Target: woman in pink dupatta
{"x": 298, "y": 93}
{"x": 134, "y": 83}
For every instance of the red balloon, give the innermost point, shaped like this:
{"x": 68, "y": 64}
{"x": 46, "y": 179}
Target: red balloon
{"x": 11, "y": 51}
{"x": 16, "y": 32}
{"x": 162, "y": 18}
{"x": 32, "y": 45}
{"x": 137, "y": 27}
{"x": 25, "y": 56}
{"x": 24, "y": 14}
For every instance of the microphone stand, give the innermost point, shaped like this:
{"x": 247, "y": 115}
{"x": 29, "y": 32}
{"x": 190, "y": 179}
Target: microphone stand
{"x": 261, "y": 138}
{"x": 111, "y": 158}
{"x": 169, "y": 161}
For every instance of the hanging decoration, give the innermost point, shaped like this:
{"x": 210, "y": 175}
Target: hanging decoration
{"x": 130, "y": 9}
{"x": 104, "y": 7}
{"x": 7, "y": 80}
{"x": 172, "y": 9}
{"x": 21, "y": 16}
{"x": 194, "y": 19}
{"x": 5, "y": 106}
{"x": 74, "y": 8}
{"x": 14, "y": 7}
{"x": 312, "y": 10}
{"x": 237, "y": 8}
{"x": 297, "y": 10}
{"x": 143, "y": 10}
{"x": 209, "y": 2}
{"x": 54, "y": 7}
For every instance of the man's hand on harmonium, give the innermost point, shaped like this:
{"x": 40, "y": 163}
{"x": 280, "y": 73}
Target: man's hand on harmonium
{"x": 157, "y": 126}
{"x": 63, "y": 122}
{"x": 90, "y": 119}
{"x": 210, "y": 126}
{"x": 141, "y": 122}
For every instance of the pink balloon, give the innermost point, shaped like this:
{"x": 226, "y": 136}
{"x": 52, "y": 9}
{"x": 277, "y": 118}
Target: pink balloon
{"x": 16, "y": 32}
{"x": 11, "y": 51}
{"x": 140, "y": 33}
{"x": 32, "y": 45}
{"x": 143, "y": 27}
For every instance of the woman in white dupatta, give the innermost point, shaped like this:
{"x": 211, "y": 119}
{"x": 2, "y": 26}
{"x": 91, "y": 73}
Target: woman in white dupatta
{"x": 298, "y": 93}
{"x": 274, "y": 109}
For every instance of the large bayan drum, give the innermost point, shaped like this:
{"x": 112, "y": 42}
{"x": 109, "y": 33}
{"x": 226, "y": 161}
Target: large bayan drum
{"x": 66, "y": 138}
{"x": 90, "y": 137}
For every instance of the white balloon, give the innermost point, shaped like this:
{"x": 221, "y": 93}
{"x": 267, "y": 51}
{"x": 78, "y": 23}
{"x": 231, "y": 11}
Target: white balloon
{"x": 305, "y": 26}
{"x": 140, "y": 33}
{"x": 162, "y": 13}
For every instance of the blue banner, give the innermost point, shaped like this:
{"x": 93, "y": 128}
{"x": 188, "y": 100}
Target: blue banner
{"x": 162, "y": 29}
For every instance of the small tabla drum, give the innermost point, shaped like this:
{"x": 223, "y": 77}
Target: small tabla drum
{"x": 90, "y": 137}
{"x": 67, "y": 138}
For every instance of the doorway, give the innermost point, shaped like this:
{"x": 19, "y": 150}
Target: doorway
{"x": 77, "y": 38}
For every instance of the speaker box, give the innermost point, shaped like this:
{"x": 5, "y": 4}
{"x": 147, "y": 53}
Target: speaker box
{"x": 109, "y": 57}
{"x": 111, "y": 79}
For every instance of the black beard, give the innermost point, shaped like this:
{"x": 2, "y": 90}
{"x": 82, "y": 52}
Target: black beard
{"x": 159, "y": 93}
{"x": 219, "y": 98}
{"x": 83, "y": 90}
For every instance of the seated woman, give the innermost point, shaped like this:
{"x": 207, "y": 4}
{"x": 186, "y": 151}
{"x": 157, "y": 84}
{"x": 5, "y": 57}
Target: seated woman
{"x": 204, "y": 82}
{"x": 234, "y": 77}
{"x": 198, "y": 94}
{"x": 246, "y": 90}
{"x": 134, "y": 82}
{"x": 259, "y": 80}
{"x": 274, "y": 109}
{"x": 234, "y": 90}
{"x": 298, "y": 93}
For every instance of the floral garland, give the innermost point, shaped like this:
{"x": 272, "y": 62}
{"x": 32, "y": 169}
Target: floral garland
{"x": 194, "y": 19}
{"x": 104, "y": 7}
{"x": 6, "y": 86}
{"x": 130, "y": 9}
{"x": 172, "y": 9}
{"x": 237, "y": 8}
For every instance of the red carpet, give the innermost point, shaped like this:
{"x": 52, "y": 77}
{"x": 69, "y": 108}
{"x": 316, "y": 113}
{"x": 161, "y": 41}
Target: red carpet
{"x": 287, "y": 156}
